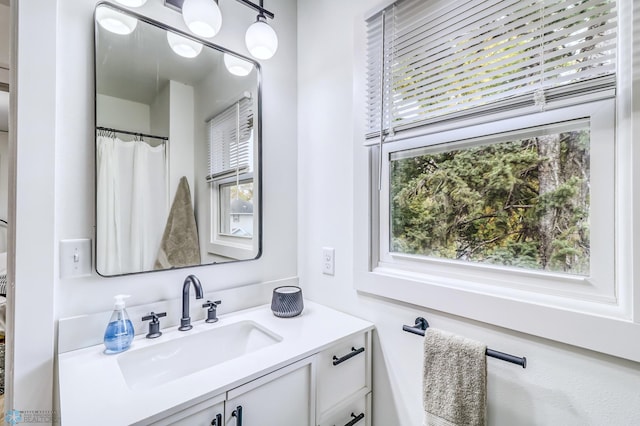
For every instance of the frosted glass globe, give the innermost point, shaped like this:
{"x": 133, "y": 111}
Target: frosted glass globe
{"x": 114, "y": 21}
{"x": 203, "y": 17}
{"x": 183, "y": 46}
{"x": 261, "y": 40}
{"x": 237, "y": 66}
{"x": 132, "y": 3}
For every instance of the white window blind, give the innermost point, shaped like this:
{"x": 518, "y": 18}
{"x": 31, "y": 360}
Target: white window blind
{"x": 435, "y": 60}
{"x": 230, "y": 140}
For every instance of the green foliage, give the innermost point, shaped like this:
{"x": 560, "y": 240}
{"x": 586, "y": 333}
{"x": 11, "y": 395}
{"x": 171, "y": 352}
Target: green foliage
{"x": 522, "y": 203}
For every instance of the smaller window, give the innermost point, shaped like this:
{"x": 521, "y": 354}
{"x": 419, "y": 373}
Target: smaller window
{"x": 236, "y": 209}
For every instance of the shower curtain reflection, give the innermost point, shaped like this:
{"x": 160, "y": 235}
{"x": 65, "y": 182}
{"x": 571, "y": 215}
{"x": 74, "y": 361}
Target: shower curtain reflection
{"x": 131, "y": 204}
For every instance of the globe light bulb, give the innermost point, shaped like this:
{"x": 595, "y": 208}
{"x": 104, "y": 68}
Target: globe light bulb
{"x": 183, "y": 46}
{"x": 261, "y": 39}
{"x": 114, "y": 21}
{"x": 237, "y": 66}
{"x": 202, "y": 17}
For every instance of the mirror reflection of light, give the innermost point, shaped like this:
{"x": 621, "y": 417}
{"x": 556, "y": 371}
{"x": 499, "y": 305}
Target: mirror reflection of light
{"x": 237, "y": 66}
{"x": 203, "y": 17}
{"x": 115, "y": 22}
{"x": 183, "y": 46}
{"x": 261, "y": 39}
{"x": 132, "y": 3}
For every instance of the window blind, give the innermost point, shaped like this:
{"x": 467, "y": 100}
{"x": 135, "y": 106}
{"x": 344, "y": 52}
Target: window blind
{"x": 443, "y": 59}
{"x": 230, "y": 140}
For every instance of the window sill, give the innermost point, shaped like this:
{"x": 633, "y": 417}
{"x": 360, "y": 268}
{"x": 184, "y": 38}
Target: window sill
{"x": 615, "y": 335}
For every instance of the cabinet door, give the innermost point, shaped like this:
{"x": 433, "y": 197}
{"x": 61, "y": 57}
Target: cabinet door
{"x": 282, "y": 398}
{"x": 208, "y": 413}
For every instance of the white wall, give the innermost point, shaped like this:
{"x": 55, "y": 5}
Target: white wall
{"x": 55, "y": 178}
{"x": 561, "y": 384}
{"x": 123, "y": 114}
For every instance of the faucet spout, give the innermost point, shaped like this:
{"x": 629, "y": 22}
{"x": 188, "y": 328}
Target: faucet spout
{"x": 185, "y": 321}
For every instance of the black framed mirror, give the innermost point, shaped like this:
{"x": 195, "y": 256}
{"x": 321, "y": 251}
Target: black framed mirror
{"x": 178, "y": 134}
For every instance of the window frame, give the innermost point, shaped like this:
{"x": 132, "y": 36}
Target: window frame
{"x": 221, "y": 244}
{"x": 557, "y": 288}
{"x": 617, "y": 334}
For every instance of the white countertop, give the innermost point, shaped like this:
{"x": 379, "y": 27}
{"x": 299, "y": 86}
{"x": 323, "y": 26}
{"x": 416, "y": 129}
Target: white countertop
{"x": 93, "y": 389}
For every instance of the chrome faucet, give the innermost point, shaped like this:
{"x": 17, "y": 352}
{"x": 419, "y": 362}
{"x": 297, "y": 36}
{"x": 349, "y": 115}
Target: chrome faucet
{"x": 185, "y": 321}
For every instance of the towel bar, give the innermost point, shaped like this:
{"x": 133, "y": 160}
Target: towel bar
{"x": 421, "y": 325}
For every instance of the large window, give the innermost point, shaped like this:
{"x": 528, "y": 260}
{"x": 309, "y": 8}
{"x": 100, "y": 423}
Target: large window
{"x": 491, "y": 127}
{"x": 522, "y": 202}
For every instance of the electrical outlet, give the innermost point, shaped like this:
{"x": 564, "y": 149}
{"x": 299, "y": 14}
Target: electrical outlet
{"x": 328, "y": 260}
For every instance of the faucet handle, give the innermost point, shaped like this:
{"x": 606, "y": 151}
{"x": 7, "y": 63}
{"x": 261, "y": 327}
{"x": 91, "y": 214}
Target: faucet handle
{"x": 212, "y": 311}
{"x": 154, "y": 325}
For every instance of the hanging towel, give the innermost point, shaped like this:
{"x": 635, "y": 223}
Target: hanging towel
{"x": 455, "y": 380}
{"x": 179, "y": 245}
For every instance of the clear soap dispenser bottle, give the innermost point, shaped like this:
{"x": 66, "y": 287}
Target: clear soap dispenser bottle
{"x": 119, "y": 333}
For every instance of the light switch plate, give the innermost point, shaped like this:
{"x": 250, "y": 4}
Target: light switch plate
{"x": 75, "y": 258}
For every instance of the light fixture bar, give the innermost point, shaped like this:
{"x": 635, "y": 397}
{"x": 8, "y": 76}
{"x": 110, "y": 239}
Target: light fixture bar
{"x": 257, "y": 8}
{"x": 177, "y": 5}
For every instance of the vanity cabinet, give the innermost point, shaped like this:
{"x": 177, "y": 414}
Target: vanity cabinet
{"x": 329, "y": 388}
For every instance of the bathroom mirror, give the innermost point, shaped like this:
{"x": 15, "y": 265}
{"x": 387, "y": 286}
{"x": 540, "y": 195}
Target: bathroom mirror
{"x": 177, "y": 148}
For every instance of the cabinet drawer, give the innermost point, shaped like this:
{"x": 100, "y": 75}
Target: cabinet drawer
{"x": 354, "y": 413}
{"x": 341, "y": 371}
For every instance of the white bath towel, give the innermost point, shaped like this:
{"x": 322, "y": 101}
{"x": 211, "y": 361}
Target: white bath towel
{"x": 455, "y": 380}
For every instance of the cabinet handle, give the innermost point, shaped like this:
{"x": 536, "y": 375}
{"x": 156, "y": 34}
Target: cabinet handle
{"x": 217, "y": 421}
{"x": 350, "y": 355}
{"x": 355, "y": 419}
{"x": 237, "y": 413}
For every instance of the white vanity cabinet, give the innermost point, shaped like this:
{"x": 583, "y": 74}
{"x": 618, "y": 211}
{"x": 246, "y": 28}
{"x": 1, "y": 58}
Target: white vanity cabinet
{"x": 316, "y": 370}
{"x": 329, "y": 388}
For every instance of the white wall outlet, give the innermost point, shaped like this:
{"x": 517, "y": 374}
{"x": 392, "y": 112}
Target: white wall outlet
{"x": 328, "y": 260}
{"x": 75, "y": 258}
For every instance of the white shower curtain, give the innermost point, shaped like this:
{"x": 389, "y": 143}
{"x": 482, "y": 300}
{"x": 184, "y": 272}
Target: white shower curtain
{"x": 131, "y": 205}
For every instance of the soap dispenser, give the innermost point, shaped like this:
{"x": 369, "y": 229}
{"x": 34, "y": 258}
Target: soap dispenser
{"x": 119, "y": 332}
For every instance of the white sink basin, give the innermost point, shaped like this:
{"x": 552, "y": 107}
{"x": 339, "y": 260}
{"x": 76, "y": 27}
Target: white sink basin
{"x": 184, "y": 355}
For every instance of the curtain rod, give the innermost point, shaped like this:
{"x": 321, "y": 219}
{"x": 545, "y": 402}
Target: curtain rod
{"x": 421, "y": 326}
{"x": 108, "y": 129}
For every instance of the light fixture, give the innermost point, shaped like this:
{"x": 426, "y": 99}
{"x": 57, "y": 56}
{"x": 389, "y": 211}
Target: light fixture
{"x": 114, "y": 21}
{"x": 132, "y": 3}
{"x": 261, "y": 39}
{"x": 237, "y": 66}
{"x": 183, "y": 46}
{"x": 203, "y": 18}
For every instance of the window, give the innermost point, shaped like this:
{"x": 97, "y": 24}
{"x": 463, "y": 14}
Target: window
{"x": 231, "y": 180}
{"x": 491, "y": 128}
{"x": 522, "y": 200}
